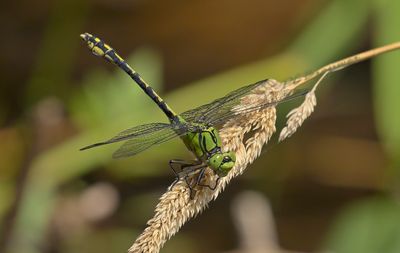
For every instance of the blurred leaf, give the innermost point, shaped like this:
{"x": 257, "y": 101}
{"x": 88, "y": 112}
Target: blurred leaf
{"x": 369, "y": 226}
{"x": 12, "y": 150}
{"x": 106, "y": 98}
{"x": 7, "y": 195}
{"x": 335, "y": 32}
{"x": 55, "y": 58}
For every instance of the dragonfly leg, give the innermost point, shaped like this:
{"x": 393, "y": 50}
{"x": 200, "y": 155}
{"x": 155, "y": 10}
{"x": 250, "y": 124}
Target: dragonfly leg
{"x": 186, "y": 168}
{"x": 207, "y": 185}
{"x": 182, "y": 165}
{"x": 192, "y": 192}
{"x": 200, "y": 177}
{"x": 216, "y": 184}
{"x": 188, "y": 172}
{"x": 191, "y": 187}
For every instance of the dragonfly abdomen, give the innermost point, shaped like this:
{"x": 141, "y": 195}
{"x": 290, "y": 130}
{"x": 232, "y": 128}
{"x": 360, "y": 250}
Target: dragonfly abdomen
{"x": 99, "y": 48}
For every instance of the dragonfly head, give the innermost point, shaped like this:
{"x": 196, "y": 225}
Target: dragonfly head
{"x": 222, "y": 163}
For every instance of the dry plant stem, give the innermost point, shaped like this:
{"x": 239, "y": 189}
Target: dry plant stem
{"x": 335, "y": 66}
{"x": 297, "y": 116}
{"x": 175, "y": 206}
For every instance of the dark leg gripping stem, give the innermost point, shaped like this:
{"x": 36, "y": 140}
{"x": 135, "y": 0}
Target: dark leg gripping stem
{"x": 187, "y": 168}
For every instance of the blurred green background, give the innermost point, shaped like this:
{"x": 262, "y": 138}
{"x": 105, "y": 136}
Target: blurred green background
{"x": 333, "y": 186}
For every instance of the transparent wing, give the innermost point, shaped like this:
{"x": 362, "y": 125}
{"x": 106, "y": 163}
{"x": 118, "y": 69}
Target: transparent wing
{"x": 220, "y": 105}
{"x": 140, "y": 143}
{"x": 140, "y": 138}
{"x": 222, "y": 117}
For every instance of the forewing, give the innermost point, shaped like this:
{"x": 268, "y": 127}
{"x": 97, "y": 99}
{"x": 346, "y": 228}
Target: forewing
{"x": 141, "y": 130}
{"x": 142, "y": 137}
{"x": 220, "y": 118}
{"x": 221, "y": 105}
{"x": 142, "y": 142}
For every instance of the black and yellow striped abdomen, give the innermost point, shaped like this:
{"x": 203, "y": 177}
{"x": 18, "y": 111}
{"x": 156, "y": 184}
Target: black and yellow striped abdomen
{"x": 202, "y": 139}
{"x": 99, "y": 48}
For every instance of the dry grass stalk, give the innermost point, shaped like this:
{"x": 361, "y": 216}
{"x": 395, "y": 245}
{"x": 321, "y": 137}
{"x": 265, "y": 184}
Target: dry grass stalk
{"x": 298, "y": 115}
{"x": 175, "y": 206}
{"x": 341, "y": 64}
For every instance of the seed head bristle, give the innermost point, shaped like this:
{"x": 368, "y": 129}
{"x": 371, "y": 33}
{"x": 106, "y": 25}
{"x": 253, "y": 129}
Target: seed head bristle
{"x": 298, "y": 115}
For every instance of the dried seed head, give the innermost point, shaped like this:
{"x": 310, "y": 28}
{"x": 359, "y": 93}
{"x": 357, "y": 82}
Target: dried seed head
{"x": 175, "y": 206}
{"x": 297, "y": 116}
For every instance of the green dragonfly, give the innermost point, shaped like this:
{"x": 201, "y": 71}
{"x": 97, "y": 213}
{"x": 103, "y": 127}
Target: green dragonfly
{"x": 197, "y": 127}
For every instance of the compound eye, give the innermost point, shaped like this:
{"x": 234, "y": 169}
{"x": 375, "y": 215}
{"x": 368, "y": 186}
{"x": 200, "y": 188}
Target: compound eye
{"x": 226, "y": 159}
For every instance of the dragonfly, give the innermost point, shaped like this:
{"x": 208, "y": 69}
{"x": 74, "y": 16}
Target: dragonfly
{"x": 198, "y": 128}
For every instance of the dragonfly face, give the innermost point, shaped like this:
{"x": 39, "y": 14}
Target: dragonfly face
{"x": 222, "y": 163}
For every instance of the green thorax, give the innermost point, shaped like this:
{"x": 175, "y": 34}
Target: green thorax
{"x": 204, "y": 143}
{"x": 206, "y": 146}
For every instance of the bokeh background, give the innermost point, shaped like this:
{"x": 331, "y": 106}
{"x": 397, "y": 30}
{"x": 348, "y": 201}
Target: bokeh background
{"x": 332, "y": 187}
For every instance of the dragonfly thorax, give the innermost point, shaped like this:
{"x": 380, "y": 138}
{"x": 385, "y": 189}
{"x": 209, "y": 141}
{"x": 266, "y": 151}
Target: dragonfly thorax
{"x": 205, "y": 143}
